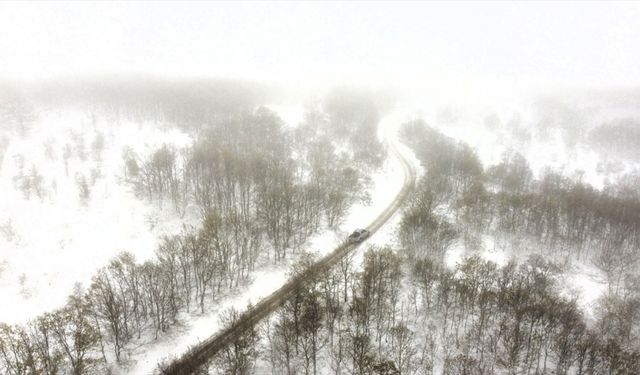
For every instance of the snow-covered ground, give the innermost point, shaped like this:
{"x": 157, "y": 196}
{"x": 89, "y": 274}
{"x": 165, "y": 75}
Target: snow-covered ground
{"x": 586, "y": 284}
{"x": 487, "y": 251}
{"x": 578, "y": 280}
{"x": 55, "y": 243}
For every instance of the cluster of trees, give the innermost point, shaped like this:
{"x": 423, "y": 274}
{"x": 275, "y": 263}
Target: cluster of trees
{"x": 64, "y": 341}
{"x": 332, "y": 323}
{"x": 558, "y": 213}
{"x": 127, "y": 300}
{"x": 453, "y": 170}
{"x": 351, "y": 116}
{"x": 458, "y": 197}
{"x": 571, "y": 215}
{"x": 4, "y": 144}
{"x": 619, "y": 138}
{"x": 249, "y": 170}
{"x": 486, "y": 319}
{"x": 30, "y": 182}
{"x": 451, "y": 190}
{"x": 401, "y": 316}
{"x": 553, "y": 115}
{"x": 510, "y": 319}
{"x": 17, "y": 115}
{"x": 17, "y": 111}
{"x": 339, "y": 139}
{"x": 588, "y": 120}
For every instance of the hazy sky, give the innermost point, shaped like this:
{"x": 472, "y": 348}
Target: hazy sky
{"x": 324, "y": 43}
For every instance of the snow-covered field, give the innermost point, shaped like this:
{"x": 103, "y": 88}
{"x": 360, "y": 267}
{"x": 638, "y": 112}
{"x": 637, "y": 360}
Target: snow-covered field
{"x": 54, "y": 242}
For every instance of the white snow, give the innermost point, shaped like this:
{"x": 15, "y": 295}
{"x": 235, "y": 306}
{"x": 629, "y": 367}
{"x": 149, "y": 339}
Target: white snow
{"x": 587, "y": 284}
{"x": 291, "y": 114}
{"x": 59, "y": 241}
{"x": 488, "y": 251}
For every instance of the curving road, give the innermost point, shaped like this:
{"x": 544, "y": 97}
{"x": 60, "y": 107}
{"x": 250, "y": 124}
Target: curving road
{"x": 192, "y": 360}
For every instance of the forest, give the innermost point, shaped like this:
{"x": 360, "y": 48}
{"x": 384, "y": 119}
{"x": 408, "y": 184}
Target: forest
{"x": 402, "y": 311}
{"x": 260, "y": 187}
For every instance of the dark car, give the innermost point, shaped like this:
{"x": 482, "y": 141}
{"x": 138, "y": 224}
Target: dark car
{"x": 358, "y": 235}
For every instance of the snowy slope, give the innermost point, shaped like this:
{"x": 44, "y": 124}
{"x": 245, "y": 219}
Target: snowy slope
{"x": 58, "y": 241}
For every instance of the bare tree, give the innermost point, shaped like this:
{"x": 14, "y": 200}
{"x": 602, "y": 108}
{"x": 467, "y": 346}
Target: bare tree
{"x": 239, "y": 356}
{"x": 76, "y": 335}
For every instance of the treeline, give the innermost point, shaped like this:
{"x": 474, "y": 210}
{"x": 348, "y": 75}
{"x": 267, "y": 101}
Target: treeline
{"x": 619, "y": 138}
{"x": 253, "y": 173}
{"x": 127, "y": 300}
{"x": 186, "y": 103}
{"x": 189, "y": 104}
{"x": 399, "y": 316}
{"x": 589, "y": 120}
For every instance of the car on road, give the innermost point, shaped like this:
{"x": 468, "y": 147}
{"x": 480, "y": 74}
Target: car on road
{"x": 358, "y": 235}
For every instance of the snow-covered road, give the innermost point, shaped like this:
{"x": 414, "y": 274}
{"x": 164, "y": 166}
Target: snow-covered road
{"x": 390, "y": 187}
